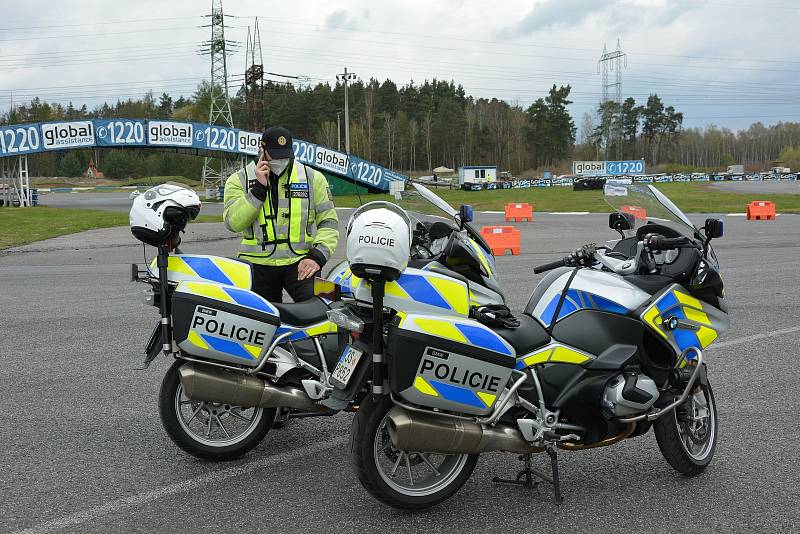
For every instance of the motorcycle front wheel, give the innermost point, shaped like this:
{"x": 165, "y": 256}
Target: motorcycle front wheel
{"x": 410, "y": 480}
{"x": 687, "y": 437}
{"x": 209, "y": 430}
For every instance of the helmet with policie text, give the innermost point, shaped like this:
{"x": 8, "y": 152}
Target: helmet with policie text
{"x": 379, "y": 241}
{"x": 159, "y": 214}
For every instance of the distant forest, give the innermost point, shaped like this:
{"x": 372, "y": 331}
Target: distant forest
{"x": 417, "y": 127}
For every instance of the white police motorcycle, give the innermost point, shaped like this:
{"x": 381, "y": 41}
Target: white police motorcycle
{"x": 238, "y": 357}
{"x": 610, "y": 344}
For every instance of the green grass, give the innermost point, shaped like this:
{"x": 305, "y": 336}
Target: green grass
{"x": 26, "y": 225}
{"x": 690, "y": 197}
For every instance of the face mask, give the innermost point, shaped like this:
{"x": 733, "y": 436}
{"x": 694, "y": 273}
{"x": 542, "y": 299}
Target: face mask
{"x": 279, "y": 165}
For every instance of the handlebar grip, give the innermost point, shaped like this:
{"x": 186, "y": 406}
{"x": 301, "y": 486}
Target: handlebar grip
{"x": 658, "y": 242}
{"x": 550, "y": 266}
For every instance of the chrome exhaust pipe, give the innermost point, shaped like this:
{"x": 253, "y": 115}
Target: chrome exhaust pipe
{"x": 412, "y": 431}
{"x": 210, "y": 384}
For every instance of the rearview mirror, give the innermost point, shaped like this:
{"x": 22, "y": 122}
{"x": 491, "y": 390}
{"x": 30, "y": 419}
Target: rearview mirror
{"x": 713, "y": 228}
{"x": 621, "y": 221}
{"x": 327, "y": 289}
{"x": 465, "y": 213}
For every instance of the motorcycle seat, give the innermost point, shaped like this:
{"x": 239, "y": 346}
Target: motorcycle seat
{"x": 529, "y": 335}
{"x": 302, "y": 313}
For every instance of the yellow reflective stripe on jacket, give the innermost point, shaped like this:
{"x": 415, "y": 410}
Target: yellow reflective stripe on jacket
{"x": 305, "y": 217}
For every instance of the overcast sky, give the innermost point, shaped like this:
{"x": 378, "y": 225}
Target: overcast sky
{"x": 726, "y": 62}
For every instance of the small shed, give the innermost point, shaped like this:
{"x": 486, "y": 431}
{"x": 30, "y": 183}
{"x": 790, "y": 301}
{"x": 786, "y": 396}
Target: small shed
{"x": 477, "y": 174}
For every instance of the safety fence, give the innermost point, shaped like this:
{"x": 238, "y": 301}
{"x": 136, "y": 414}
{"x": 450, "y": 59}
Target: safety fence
{"x": 595, "y": 182}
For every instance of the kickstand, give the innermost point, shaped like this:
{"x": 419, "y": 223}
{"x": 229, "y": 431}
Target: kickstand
{"x": 525, "y": 478}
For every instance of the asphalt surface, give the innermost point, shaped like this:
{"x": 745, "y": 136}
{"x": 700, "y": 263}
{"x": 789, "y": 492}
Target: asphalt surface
{"x": 83, "y": 449}
{"x": 106, "y": 200}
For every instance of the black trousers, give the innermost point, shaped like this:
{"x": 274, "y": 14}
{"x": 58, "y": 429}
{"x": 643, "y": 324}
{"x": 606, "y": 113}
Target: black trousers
{"x": 269, "y": 281}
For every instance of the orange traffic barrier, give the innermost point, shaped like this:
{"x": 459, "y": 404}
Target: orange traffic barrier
{"x": 761, "y": 210}
{"x": 636, "y": 211}
{"x": 519, "y": 212}
{"x": 502, "y": 238}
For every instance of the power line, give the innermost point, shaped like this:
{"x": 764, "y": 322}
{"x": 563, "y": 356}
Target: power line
{"x": 98, "y": 23}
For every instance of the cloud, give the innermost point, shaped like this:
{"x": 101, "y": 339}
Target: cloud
{"x": 553, "y": 13}
{"x": 340, "y": 19}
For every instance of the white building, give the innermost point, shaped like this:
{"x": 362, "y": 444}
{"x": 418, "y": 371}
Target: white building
{"x": 477, "y": 174}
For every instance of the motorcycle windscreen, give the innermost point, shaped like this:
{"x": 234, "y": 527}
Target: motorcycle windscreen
{"x": 222, "y": 323}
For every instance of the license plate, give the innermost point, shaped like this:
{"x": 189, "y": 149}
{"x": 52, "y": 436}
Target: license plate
{"x": 345, "y": 366}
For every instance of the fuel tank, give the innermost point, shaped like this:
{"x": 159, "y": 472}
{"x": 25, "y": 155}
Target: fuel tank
{"x": 589, "y": 289}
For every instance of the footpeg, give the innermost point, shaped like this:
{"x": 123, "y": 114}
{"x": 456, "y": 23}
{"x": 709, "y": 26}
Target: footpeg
{"x": 316, "y": 390}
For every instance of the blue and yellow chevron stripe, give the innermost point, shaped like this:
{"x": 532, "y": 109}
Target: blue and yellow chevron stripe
{"x": 683, "y": 307}
{"x": 211, "y": 268}
{"x": 325, "y": 327}
{"x": 440, "y": 292}
{"x": 231, "y": 295}
{"x": 240, "y": 350}
{"x": 553, "y": 353}
{"x": 579, "y": 300}
{"x": 461, "y": 332}
{"x": 454, "y": 393}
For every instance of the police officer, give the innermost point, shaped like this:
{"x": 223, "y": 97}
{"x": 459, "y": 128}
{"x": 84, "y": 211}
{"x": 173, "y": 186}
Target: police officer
{"x": 285, "y": 212}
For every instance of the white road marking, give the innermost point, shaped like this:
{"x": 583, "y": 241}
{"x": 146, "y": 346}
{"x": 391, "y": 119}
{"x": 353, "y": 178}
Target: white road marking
{"x": 736, "y": 214}
{"x": 110, "y": 507}
{"x": 493, "y": 212}
{"x": 569, "y": 213}
{"x": 755, "y": 337}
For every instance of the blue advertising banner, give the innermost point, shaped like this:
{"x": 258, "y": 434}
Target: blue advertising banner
{"x": 23, "y": 139}
{"x": 120, "y": 132}
{"x": 20, "y": 139}
{"x": 625, "y": 167}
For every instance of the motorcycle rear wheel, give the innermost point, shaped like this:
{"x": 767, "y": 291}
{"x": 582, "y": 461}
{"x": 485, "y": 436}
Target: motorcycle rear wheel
{"x": 687, "y": 437}
{"x": 211, "y": 431}
{"x": 387, "y": 473}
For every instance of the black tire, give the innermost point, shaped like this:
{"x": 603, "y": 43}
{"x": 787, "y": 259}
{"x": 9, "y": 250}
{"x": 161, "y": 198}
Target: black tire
{"x": 186, "y": 440}
{"x": 363, "y": 454}
{"x": 672, "y": 434}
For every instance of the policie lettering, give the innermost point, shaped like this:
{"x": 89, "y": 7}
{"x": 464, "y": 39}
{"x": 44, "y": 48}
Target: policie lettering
{"x": 465, "y": 377}
{"x": 376, "y": 240}
{"x": 232, "y": 331}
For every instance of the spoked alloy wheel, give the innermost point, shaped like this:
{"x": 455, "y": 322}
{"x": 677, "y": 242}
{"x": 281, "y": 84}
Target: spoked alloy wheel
{"x": 414, "y": 473}
{"x": 688, "y": 436}
{"x": 403, "y": 479}
{"x": 208, "y": 430}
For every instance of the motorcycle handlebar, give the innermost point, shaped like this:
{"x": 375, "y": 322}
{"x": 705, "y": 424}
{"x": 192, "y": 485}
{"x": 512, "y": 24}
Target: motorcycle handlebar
{"x": 659, "y": 242}
{"x": 550, "y": 266}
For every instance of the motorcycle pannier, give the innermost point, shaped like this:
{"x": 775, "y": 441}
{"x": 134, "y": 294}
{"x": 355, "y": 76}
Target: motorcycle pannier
{"x": 222, "y": 323}
{"x": 447, "y": 363}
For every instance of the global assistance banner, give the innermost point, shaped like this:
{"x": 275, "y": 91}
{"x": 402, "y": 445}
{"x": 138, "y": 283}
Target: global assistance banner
{"x": 23, "y": 139}
{"x": 607, "y": 168}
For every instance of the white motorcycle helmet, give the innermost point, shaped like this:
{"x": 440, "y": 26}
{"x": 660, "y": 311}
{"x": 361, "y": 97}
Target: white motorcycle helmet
{"x": 379, "y": 241}
{"x": 159, "y": 214}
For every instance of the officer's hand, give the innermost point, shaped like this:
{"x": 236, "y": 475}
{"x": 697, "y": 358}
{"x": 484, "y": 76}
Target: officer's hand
{"x": 306, "y": 268}
{"x": 262, "y": 172}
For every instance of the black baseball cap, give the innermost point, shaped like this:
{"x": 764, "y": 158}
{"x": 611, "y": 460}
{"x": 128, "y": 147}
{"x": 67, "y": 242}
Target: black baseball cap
{"x": 277, "y": 141}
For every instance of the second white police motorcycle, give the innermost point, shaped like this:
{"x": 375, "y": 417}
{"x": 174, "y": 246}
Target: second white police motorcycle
{"x": 610, "y": 345}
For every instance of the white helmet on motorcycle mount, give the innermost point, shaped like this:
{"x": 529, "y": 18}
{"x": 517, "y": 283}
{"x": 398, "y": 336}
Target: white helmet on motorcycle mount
{"x": 159, "y": 214}
{"x": 378, "y": 241}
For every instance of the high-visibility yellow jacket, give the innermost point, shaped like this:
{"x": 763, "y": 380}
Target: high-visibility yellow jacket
{"x": 305, "y": 223}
